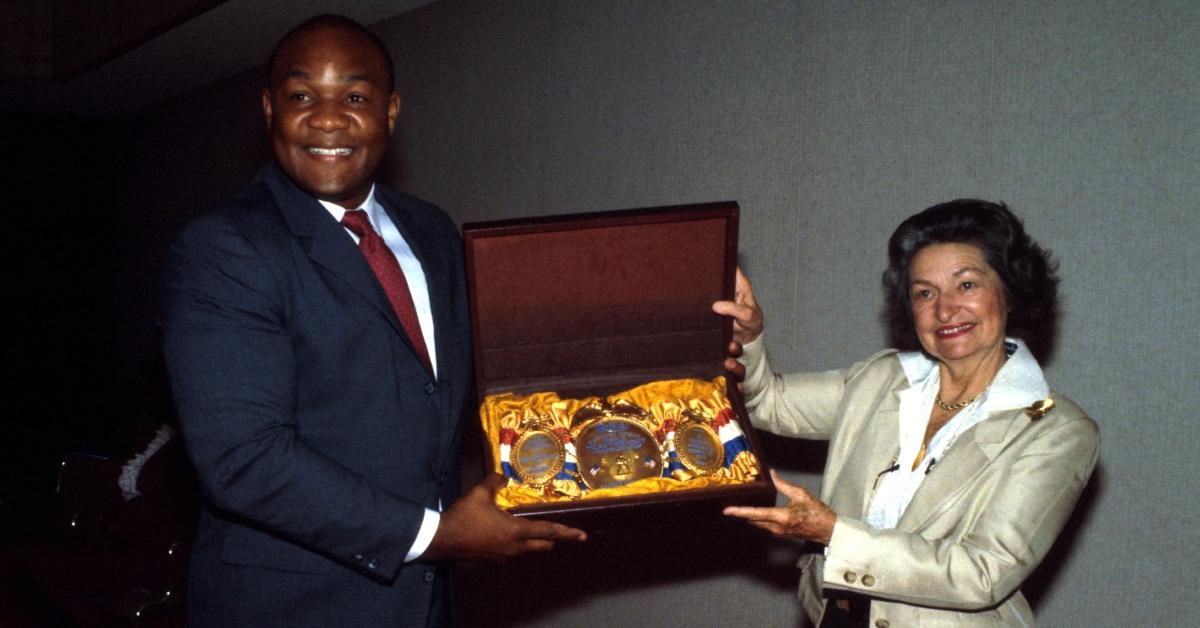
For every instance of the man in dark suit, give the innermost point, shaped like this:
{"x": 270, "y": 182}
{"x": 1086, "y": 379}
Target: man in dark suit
{"x": 320, "y": 404}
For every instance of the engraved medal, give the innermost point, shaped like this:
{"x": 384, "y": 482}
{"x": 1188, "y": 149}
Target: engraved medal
{"x": 698, "y": 446}
{"x": 614, "y": 447}
{"x": 538, "y": 455}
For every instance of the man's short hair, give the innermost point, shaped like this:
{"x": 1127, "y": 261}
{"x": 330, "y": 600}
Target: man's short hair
{"x": 335, "y": 21}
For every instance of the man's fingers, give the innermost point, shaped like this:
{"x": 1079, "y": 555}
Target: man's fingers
{"x": 537, "y": 545}
{"x": 547, "y": 530}
{"x": 493, "y": 482}
{"x": 559, "y": 532}
{"x": 474, "y": 528}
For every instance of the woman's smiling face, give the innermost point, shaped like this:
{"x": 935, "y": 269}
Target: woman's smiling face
{"x": 958, "y": 300}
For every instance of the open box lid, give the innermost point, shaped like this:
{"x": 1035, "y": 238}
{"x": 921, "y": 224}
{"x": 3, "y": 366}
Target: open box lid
{"x": 598, "y": 302}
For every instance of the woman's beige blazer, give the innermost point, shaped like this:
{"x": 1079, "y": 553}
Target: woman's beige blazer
{"x": 980, "y": 522}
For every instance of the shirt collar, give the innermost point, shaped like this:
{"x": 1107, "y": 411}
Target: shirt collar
{"x": 370, "y": 206}
{"x": 1019, "y": 383}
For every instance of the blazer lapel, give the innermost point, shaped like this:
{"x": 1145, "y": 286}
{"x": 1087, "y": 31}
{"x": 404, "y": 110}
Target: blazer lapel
{"x": 327, "y": 244}
{"x": 957, "y": 469}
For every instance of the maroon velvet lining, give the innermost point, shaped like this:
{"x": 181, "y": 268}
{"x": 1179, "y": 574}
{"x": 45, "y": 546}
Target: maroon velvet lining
{"x": 600, "y": 298}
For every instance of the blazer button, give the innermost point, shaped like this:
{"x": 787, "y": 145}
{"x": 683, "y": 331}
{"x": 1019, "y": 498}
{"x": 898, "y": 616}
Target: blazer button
{"x": 868, "y": 580}
{"x": 883, "y": 623}
{"x": 850, "y": 577}
{"x": 429, "y": 576}
{"x": 358, "y": 558}
{"x": 429, "y": 388}
{"x": 373, "y": 564}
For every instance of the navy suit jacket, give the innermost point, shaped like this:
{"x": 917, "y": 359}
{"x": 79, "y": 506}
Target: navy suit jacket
{"x": 318, "y": 436}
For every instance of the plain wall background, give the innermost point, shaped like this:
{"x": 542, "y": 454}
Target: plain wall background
{"x": 829, "y": 122}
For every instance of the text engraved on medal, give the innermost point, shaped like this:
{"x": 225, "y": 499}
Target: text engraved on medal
{"x": 538, "y": 456}
{"x": 699, "y": 448}
{"x": 617, "y": 451}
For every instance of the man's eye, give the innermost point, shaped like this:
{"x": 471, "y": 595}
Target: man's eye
{"x": 357, "y": 98}
{"x": 968, "y": 285}
{"x": 298, "y": 97}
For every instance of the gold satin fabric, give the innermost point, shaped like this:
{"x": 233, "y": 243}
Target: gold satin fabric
{"x": 663, "y": 400}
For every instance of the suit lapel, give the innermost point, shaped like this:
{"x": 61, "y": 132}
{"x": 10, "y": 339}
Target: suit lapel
{"x": 327, "y": 244}
{"x": 958, "y": 468}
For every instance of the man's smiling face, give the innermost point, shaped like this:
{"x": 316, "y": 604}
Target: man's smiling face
{"x": 330, "y": 112}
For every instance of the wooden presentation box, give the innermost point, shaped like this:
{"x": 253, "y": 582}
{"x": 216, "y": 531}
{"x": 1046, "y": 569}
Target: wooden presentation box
{"x": 592, "y": 304}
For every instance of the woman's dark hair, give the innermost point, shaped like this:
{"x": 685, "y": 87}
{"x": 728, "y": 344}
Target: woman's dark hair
{"x": 1029, "y": 274}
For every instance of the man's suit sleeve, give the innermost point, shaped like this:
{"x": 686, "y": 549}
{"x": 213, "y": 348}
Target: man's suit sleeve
{"x": 234, "y": 377}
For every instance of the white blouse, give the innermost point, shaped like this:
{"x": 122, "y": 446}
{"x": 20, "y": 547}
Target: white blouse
{"x": 1018, "y": 384}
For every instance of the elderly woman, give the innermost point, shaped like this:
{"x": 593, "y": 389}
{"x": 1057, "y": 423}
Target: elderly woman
{"x": 951, "y": 469}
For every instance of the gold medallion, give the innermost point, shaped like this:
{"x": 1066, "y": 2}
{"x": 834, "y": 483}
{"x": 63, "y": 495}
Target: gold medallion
{"x": 614, "y": 447}
{"x": 698, "y": 446}
{"x": 538, "y": 455}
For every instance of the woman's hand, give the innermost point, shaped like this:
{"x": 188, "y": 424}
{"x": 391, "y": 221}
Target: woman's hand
{"x": 747, "y": 321}
{"x": 805, "y": 516}
{"x": 747, "y": 317}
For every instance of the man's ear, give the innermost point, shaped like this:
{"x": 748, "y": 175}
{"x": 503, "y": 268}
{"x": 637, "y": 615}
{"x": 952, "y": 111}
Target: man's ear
{"x": 393, "y": 111}
{"x": 266, "y": 105}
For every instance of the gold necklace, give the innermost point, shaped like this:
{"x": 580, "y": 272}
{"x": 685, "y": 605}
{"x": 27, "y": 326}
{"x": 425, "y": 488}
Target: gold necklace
{"x": 948, "y": 407}
{"x": 951, "y": 407}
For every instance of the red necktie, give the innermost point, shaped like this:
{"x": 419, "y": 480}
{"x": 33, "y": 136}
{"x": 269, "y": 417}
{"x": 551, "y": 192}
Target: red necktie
{"x": 387, "y": 270}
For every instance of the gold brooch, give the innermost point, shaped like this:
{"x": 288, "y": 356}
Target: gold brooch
{"x": 1039, "y": 409}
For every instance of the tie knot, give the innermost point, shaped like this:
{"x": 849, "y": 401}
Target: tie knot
{"x": 356, "y": 221}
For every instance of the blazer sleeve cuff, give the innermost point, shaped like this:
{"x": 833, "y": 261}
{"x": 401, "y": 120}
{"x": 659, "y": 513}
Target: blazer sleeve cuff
{"x": 842, "y": 571}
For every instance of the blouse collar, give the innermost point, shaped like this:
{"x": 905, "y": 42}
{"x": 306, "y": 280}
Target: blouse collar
{"x": 1019, "y": 383}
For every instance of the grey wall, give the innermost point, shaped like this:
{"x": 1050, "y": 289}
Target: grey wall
{"x": 829, "y": 123}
